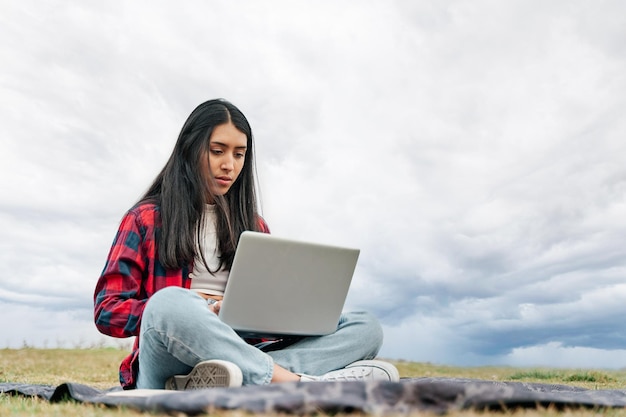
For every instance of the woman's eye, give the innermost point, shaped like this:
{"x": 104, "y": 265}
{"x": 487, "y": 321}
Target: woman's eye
{"x": 216, "y": 151}
{"x": 240, "y": 155}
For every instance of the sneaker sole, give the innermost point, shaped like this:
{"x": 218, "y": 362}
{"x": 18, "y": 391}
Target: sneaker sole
{"x": 207, "y": 374}
{"x": 386, "y": 367}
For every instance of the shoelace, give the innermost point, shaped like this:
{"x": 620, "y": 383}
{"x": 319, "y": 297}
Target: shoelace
{"x": 349, "y": 374}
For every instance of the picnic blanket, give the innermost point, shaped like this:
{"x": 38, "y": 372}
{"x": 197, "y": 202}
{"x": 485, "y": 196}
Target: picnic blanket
{"x": 438, "y": 395}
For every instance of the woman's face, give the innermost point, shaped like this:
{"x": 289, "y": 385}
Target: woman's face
{"x": 227, "y": 153}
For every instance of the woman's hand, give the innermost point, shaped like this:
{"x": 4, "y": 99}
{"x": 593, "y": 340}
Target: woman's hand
{"x": 215, "y": 307}
{"x": 214, "y": 301}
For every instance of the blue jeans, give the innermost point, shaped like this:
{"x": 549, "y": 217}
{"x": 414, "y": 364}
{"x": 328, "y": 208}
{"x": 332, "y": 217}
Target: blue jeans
{"x": 178, "y": 330}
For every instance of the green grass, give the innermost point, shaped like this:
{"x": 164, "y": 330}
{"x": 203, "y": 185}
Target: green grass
{"x": 98, "y": 368}
{"x": 93, "y": 367}
{"x": 597, "y": 378}
{"x": 586, "y": 378}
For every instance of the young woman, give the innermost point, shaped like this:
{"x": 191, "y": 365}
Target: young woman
{"x": 168, "y": 266}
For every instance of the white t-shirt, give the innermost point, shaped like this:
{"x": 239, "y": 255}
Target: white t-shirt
{"x": 201, "y": 279}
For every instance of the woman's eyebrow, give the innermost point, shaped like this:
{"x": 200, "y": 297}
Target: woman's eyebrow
{"x": 226, "y": 145}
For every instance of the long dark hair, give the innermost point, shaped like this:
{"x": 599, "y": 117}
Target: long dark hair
{"x": 181, "y": 191}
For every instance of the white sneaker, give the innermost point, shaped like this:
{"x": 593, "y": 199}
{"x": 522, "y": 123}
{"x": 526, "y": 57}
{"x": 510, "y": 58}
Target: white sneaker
{"x": 207, "y": 374}
{"x": 364, "y": 371}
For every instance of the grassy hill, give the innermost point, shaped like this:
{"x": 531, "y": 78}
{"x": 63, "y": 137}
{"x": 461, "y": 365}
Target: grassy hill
{"x": 98, "y": 368}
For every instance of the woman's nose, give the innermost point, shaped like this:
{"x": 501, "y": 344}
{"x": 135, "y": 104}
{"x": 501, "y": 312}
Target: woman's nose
{"x": 228, "y": 163}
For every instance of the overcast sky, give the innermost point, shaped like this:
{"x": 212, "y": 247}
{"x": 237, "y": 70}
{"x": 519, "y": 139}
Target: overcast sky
{"x": 474, "y": 150}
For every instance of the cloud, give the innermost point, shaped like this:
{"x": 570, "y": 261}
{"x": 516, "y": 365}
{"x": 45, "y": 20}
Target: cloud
{"x": 557, "y": 355}
{"x": 473, "y": 151}
{"x": 40, "y": 326}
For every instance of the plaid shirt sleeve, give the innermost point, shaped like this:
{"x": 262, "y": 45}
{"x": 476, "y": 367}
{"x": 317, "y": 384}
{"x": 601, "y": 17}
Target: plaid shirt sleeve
{"x": 131, "y": 275}
{"x": 120, "y": 296}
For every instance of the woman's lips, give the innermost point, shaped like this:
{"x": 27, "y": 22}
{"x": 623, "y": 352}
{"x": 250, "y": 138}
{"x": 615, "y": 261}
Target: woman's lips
{"x": 223, "y": 181}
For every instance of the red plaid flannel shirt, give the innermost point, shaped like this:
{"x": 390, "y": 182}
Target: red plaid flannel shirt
{"x": 131, "y": 275}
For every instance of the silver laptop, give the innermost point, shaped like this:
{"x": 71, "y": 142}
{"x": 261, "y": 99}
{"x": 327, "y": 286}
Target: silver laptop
{"x": 281, "y": 287}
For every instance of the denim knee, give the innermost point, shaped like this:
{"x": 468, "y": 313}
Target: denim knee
{"x": 370, "y": 330}
{"x": 165, "y": 305}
